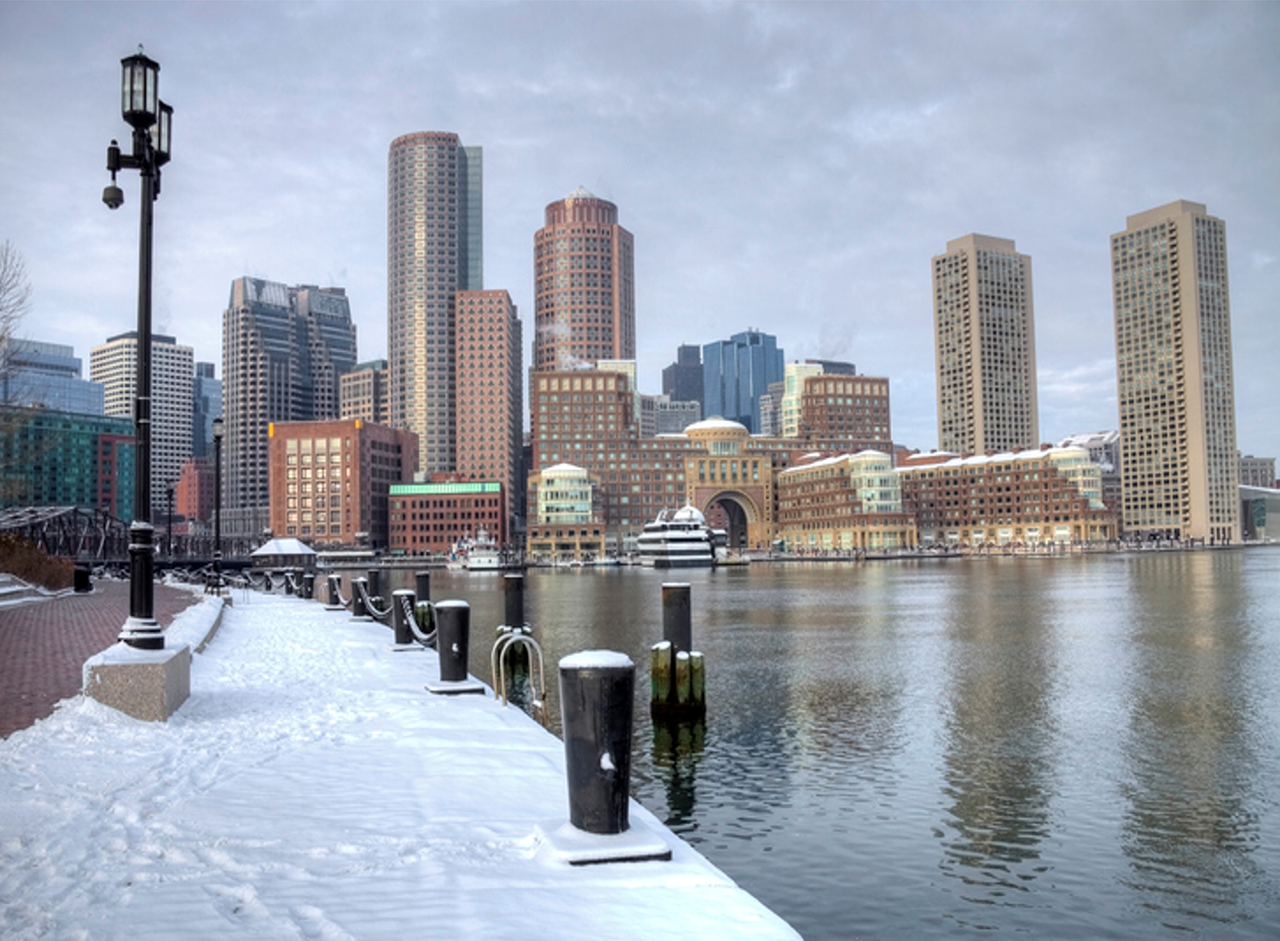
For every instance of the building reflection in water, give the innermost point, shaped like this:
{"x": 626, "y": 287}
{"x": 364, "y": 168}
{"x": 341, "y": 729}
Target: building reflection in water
{"x": 999, "y": 730}
{"x": 1190, "y": 827}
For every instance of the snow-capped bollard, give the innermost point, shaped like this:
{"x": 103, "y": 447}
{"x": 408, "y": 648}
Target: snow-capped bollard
{"x": 513, "y": 600}
{"x": 453, "y": 638}
{"x": 374, "y": 583}
{"x": 422, "y": 585}
{"x": 309, "y": 585}
{"x": 402, "y": 604}
{"x": 597, "y": 706}
{"x": 358, "y": 610}
{"x": 334, "y": 583}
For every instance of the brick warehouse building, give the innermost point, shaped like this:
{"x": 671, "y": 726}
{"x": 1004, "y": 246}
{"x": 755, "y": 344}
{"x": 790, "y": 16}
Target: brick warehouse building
{"x": 329, "y": 480}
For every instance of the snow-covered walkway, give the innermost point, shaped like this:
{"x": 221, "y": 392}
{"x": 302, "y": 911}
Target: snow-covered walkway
{"x": 312, "y": 788}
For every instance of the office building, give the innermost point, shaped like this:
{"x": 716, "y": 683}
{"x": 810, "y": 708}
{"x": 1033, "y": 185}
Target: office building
{"x": 284, "y": 349}
{"x": 50, "y": 458}
{"x": 793, "y": 376}
{"x": 432, "y": 517}
{"x": 1179, "y": 467}
{"x": 364, "y": 392}
{"x": 850, "y": 409}
{"x": 330, "y": 480}
{"x": 1024, "y": 498}
{"x": 584, "y": 274}
{"x": 1257, "y": 471}
{"x": 434, "y": 249}
{"x": 736, "y": 373}
{"x": 1104, "y": 450}
{"x": 682, "y": 380}
{"x": 985, "y": 346}
{"x": 194, "y": 496}
{"x": 206, "y": 405}
{"x": 672, "y": 417}
{"x": 844, "y": 503}
{"x": 34, "y": 374}
{"x": 115, "y": 365}
{"x": 490, "y": 390}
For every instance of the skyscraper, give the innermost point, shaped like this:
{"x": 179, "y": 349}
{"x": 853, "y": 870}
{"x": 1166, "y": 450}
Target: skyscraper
{"x": 434, "y": 250}
{"x": 1178, "y": 466}
{"x": 736, "y": 372}
{"x": 490, "y": 390}
{"x": 284, "y": 349}
{"x": 985, "y": 343}
{"x": 584, "y": 277}
{"x": 46, "y": 375}
{"x": 206, "y": 405}
{"x": 115, "y": 365}
{"x": 682, "y": 380}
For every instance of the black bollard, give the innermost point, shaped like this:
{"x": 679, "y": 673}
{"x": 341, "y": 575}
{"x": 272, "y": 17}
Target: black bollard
{"x": 513, "y": 600}
{"x": 596, "y": 704}
{"x": 399, "y": 619}
{"x": 453, "y": 637}
{"x": 422, "y": 585}
{"x": 358, "y": 610}
{"x": 309, "y": 585}
{"x": 677, "y": 616}
{"x": 375, "y": 583}
{"x": 81, "y": 578}
{"x": 334, "y": 581}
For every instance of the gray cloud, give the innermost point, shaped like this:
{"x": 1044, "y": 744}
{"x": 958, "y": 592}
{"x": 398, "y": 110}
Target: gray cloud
{"x": 790, "y": 167}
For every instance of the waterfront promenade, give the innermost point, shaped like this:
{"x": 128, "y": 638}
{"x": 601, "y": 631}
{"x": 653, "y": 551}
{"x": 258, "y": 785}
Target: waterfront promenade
{"x": 312, "y": 787}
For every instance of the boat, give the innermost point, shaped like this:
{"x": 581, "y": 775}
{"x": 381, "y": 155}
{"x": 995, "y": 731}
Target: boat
{"x": 679, "y": 539}
{"x": 482, "y": 554}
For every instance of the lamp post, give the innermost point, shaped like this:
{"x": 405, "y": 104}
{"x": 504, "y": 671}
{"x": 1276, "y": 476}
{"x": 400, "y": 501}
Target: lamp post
{"x": 152, "y": 122}
{"x": 168, "y": 533}
{"x": 217, "y": 501}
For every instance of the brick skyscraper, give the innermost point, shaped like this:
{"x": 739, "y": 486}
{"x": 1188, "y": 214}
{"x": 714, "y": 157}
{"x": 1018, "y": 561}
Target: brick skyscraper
{"x": 584, "y": 276}
{"x": 434, "y": 250}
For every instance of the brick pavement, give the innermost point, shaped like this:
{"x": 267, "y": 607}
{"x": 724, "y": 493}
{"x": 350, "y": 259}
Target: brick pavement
{"x": 44, "y": 644}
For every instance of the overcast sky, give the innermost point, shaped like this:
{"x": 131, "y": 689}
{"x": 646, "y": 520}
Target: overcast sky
{"x": 789, "y": 168}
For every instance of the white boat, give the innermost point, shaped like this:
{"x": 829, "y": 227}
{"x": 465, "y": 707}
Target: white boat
{"x": 679, "y": 539}
{"x": 482, "y": 554}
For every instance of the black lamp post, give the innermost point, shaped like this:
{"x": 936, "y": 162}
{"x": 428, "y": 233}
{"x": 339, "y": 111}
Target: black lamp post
{"x": 217, "y": 501}
{"x": 168, "y": 532}
{"x": 152, "y": 122}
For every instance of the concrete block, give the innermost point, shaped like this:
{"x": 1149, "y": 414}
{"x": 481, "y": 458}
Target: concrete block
{"x": 146, "y": 684}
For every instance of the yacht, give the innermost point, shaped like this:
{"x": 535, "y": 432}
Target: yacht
{"x": 679, "y": 539}
{"x": 483, "y": 554}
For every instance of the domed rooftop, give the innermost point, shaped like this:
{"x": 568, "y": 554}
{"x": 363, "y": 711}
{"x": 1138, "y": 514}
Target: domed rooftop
{"x": 716, "y": 423}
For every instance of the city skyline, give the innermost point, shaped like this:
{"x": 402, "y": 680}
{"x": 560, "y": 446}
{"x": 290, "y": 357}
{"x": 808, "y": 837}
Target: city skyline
{"x": 792, "y": 168}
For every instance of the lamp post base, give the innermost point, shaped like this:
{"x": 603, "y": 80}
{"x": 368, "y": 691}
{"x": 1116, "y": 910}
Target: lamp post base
{"x": 143, "y": 633}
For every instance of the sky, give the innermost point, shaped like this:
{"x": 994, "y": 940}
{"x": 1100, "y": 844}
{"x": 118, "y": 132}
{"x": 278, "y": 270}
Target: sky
{"x": 789, "y": 168}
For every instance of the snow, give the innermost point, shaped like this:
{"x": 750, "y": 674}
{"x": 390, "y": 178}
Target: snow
{"x": 595, "y": 660}
{"x": 312, "y": 788}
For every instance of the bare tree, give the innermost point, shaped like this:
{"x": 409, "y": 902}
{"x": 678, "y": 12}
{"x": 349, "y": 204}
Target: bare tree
{"x": 15, "y": 300}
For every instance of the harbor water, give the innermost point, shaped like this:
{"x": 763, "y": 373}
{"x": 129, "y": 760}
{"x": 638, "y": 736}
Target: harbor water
{"x": 1084, "y": 747}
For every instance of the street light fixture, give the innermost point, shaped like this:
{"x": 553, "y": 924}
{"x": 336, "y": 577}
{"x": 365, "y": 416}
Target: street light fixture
{"x": 152, "y": 123}
{"x": 217, "y": 501}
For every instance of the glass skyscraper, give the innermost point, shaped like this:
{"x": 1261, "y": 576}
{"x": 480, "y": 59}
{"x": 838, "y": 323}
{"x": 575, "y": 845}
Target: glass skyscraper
{"x": 736, "y": 373}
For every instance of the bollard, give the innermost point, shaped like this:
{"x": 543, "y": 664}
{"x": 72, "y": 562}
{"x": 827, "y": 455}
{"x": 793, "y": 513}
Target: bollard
{"x": 596, "y": 706}
{"x": 513, "y": 600}
{"x": 453, "y": 636}
{"x": 81, "y": 578}
{"x": 677, "y": 672}
{"x": 334, "y": 582}
{"x": 375, "y": 583}
{"x": 677, "y": 616}
{"x": 309, "y": 585}
{"x": 358, "y": 611}
{"x": 399, "y": 620}
{"x": 422, "y": 585}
